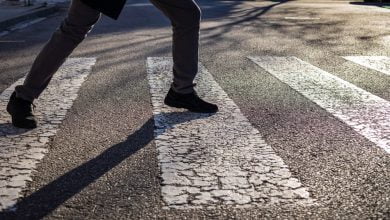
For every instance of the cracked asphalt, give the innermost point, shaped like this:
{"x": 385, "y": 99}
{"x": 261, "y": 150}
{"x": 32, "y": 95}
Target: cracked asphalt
{"x": 103, "y": 161}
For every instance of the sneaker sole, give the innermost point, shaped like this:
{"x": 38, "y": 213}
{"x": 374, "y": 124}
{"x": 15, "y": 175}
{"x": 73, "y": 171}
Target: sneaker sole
{"x": 178, "y": 105}
{"x": 25, "y": 125}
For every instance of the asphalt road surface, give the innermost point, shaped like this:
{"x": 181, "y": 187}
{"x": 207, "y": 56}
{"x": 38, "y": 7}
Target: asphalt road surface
{"x": 303, "y": 131}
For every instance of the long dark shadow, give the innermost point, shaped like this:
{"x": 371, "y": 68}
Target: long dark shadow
{"x": 48, "y": 198}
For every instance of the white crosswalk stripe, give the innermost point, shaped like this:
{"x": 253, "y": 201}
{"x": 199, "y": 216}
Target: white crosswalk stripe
{"x": 208, "y": 160}
{"x": 21, "y": 150}
{"x": 366, "y": 113}
{"x": 378, "y": 63}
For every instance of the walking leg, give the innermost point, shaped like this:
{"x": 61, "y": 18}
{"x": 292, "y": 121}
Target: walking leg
{"x": 185, "y": 19}
{"x": 72, "y": 31}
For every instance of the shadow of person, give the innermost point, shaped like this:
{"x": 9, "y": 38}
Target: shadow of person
{"x": 42, "y": 202}
{"x": 9, "y": 129}
{"x": 164, "y": 121}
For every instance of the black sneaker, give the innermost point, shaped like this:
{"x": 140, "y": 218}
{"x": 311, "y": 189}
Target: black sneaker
{"x": 191, "y": 101}
{"x": 21, "y": 112}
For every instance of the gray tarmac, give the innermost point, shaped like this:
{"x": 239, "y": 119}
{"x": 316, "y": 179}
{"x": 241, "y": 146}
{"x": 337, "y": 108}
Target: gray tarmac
{"x": 102, "y": 163}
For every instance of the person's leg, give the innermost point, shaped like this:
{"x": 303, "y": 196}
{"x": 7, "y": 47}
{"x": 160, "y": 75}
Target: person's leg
{"x": 73, "y": 30}
{"x": 185, "y": 18}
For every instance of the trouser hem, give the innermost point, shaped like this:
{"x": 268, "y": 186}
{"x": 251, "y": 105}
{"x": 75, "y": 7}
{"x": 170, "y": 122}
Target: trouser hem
{"x": 23, "y": 93}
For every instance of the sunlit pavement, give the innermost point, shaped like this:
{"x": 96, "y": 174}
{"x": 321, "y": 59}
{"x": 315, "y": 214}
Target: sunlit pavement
{"x": 302, "y": 132}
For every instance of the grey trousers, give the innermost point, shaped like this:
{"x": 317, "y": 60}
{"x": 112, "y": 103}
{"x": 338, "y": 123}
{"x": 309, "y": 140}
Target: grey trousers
{"x": 185, "y": 19}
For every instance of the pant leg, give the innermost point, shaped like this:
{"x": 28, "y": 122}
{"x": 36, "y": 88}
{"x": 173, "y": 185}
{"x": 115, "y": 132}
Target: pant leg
{"x": 72, "y": 31}
{"x": 185, "y": 19}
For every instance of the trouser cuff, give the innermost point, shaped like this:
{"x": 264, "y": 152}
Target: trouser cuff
{"x": 183, "y": 89}
{"x": 23, "y": 93}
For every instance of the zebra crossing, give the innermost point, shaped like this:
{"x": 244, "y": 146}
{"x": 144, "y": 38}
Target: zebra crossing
{"x": 221, "y": 159}
{"x": 367, "y": 114}
{"x": 216, "y": 159}
{"x": 378, "y": 63}
{"x": 204, "y": 160}
{"x": 21, "y": 150}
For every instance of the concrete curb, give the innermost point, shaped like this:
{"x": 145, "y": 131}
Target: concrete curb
{"x": 36, "y": 13}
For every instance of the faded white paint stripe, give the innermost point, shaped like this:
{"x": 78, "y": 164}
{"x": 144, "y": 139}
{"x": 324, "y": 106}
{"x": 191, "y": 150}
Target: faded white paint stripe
{"x": 364, "y": 112}
{"x": 21, "y": 150}
{"x": 378, "y": 63}
{"x": 26, "y": 24}
{"x": 209, "y": 160}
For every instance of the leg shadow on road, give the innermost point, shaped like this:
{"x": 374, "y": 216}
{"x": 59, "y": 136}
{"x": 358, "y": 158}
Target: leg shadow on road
{"x": 49, "y": 197}
{"x": 9, "y": 129}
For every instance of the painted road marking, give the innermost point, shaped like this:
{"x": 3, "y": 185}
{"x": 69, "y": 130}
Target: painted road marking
{"x": 378, "y": 63}
{"x": 209, "y": 160}
{"x": 21, "y": 26}
{"x": 21, "y": 150}
{"x": 364, "y": 112}
{"x": 3, "y": 33}
{"x": 26, "y": 24}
